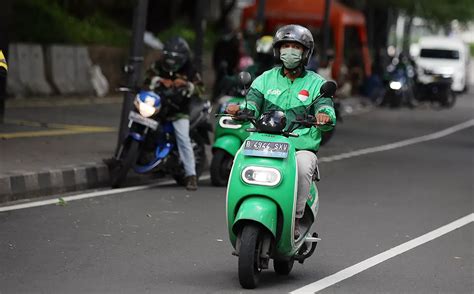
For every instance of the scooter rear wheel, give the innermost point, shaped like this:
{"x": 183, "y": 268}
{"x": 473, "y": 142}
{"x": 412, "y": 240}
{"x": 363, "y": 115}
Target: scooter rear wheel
{"x": 249, "y": 256}
{"x": 283, "y": 267}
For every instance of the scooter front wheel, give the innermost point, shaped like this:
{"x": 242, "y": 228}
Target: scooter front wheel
{"x": 127, "y": 159}
{"x": 221, "y": 165}
{"x": 249, "y": 256}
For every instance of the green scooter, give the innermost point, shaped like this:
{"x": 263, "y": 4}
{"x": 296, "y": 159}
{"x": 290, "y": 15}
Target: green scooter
{"x": 261, "y": 197}
{"x": 228, "y": 137}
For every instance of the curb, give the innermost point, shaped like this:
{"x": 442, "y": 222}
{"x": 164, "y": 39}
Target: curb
{"x": 28, "y": 185}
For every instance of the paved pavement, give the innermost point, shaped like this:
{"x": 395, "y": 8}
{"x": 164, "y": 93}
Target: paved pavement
{"x": 168, "y": 240}
{"x": 55, "y": 145}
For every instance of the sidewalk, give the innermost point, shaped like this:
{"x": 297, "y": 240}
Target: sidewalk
{"x": 55, "y": 145}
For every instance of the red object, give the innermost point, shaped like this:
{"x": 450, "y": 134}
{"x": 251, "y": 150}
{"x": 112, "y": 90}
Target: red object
{"x": 311, "y": 13}
{"x": 304, "y": 93}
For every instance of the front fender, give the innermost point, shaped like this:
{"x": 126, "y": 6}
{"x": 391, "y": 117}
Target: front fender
{"x": 137, "y": 136}
{"x": 230, "y": 144}
{"x": 258, "y": 209}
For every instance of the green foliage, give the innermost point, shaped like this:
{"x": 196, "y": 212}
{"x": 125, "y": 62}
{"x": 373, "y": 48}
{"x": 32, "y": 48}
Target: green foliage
{"x": 46, "y": 22}
{"x": 180, "y": 28}
{"x": 444, "y": 11}
{"x": 440, "y": 11}
{"x": 61, "y": 202}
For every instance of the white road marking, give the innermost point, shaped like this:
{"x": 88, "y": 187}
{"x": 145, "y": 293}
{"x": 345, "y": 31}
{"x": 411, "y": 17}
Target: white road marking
{"x": 368, "y": 263}
{"x": 399, "y": 144}
{"x": 87, "y": 195}
{"x": 360, "y": 152}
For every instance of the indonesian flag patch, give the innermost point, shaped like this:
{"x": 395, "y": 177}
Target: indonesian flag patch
{"x": 303, "y": 95}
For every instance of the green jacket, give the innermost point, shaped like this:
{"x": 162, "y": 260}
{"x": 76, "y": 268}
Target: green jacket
{"x": 274, "y": 91}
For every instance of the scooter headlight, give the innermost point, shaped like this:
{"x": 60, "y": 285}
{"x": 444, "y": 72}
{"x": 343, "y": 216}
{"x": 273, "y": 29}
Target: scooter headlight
{"x": 146, "y": 109}
{"x": 395, "y": 85}
{"x": 264, "y": 176}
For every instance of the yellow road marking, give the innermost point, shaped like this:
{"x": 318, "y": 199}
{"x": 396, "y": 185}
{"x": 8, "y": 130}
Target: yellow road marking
{"x": 59, "y": 130}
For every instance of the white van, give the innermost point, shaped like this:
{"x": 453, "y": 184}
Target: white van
{"x": 444, "y": 56}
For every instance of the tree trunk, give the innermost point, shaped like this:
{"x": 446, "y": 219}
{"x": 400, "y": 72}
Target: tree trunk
{"x": 407, "y": 34}
{"x": 225, "y": 10}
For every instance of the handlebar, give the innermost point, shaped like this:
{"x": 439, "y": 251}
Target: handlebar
{"x": 308, "y": 121}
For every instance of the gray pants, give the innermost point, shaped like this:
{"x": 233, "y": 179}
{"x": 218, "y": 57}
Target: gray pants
{"x": 185, "y": 149}
{"x": 307, "y": 161}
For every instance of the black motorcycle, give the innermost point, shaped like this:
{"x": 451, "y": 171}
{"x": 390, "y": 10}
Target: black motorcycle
{"x": 437, "y": 90}
{"x": 399, "y": 89}
{"x": 150, "y": 146}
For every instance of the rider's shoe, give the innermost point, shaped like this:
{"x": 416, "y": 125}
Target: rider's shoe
{"x": 191, "y": 183}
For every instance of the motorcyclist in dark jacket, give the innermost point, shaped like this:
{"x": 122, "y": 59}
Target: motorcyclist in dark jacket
{"x": 174, "y": 71}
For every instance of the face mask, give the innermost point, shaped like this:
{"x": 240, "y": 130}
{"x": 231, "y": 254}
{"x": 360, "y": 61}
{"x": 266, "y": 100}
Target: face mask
{"x": 291, "y": 57}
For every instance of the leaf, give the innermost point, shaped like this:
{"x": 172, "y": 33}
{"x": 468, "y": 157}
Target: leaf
{"x": 61, "y": 202}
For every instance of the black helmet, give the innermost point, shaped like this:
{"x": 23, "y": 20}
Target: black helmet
{"x": 176, "y": 53}
{"x": 272, "y": 122}
{"x": 294, "y": 33}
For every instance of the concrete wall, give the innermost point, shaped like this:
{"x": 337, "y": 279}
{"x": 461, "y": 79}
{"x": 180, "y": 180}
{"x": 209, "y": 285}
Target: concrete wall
{"x": 65, "y": 70}
{"x": 26, "y": 74}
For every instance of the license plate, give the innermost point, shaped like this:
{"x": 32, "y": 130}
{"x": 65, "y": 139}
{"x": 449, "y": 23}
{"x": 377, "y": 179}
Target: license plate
{"x": 147, "y": 122}
{"x": 266, "y": 149}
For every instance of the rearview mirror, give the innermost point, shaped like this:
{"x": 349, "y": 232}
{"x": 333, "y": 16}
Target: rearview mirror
{"x": 245, "y": 78}
{"x": 328, "y": 89}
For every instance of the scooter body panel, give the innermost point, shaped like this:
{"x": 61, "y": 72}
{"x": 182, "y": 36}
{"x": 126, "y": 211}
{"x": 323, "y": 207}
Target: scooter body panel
{"x": 282, "y": 195}
{"x": 229, "y": 143}
{"x": 226, "y": 127}
{"x": 259, "y": 209}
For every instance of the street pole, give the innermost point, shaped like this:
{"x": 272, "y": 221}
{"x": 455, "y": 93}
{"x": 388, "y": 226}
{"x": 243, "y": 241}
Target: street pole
{"x": 326, "y": 31}
{"x": 199, "y": 41}
{"x": 133, "y": 68}
{"x": 260, "y": 18}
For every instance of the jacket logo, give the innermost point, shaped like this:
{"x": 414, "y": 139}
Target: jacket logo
{"x": 303, "y": 95}
{"x": 273, "y": 92}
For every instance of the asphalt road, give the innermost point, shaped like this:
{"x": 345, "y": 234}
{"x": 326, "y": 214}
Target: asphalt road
{"x": 167, "y": 240}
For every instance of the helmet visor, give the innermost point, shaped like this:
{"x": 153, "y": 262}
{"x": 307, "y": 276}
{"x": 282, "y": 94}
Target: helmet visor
{"x": 173, "y": 61}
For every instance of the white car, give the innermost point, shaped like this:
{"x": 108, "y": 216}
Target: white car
{"x": 445, "y": 56}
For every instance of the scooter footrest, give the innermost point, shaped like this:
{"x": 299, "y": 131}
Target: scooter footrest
{"x": 312, "y": 239}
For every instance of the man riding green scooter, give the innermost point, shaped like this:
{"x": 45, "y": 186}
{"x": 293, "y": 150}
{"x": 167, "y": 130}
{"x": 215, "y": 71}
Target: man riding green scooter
{"x": 290, "y": 88}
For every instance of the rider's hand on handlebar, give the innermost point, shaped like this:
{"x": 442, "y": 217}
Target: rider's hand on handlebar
{"x": 322, "y": 119}
{"x": 232, "y": 109}
{"x": 166, "y": 82}
{"x": 180, "y": 83}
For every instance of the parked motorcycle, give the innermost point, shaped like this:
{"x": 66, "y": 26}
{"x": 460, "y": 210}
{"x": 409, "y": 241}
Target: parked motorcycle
{"x": 261, "y": 197}
{"x": 436, "y": 89}
{"x": 151, "y": 145}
